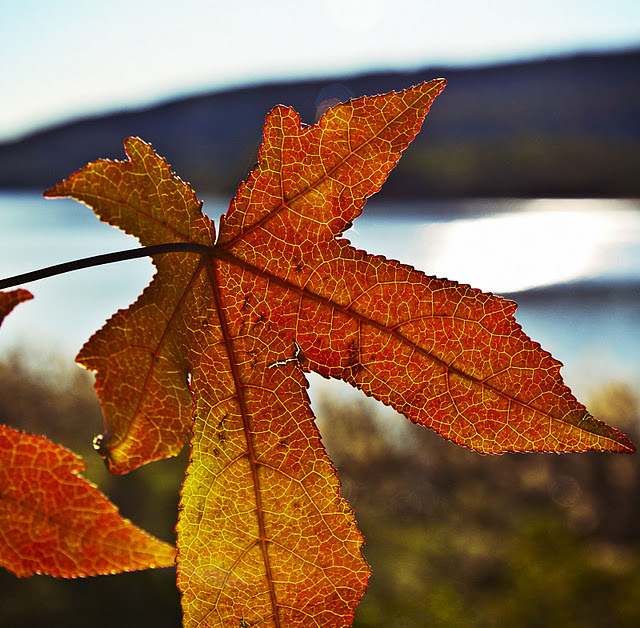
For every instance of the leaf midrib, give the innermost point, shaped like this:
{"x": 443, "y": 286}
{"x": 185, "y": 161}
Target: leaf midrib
{"x": 93, "y": 201}
{"x": 246, "y": 423}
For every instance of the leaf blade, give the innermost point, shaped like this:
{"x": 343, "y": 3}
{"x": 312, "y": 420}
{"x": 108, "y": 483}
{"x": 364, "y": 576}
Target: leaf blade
{"x": 451, "y": 358}
{"x": 347, "y": 288}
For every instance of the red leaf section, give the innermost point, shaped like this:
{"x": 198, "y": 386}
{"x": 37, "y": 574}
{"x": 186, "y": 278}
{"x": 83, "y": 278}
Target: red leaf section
{"x": 54, "y": 522}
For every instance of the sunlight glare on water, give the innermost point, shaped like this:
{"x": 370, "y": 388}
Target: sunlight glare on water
{"x": 546, "y": 242}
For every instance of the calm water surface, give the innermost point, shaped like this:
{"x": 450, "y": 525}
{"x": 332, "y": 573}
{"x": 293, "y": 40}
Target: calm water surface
{"x": 520, "y": 248}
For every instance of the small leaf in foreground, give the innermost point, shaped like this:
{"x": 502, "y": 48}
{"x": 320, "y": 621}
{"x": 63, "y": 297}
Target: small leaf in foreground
{"x": 54, "y": 522}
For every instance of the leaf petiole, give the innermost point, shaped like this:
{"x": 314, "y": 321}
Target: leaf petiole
{"x": 107, "y": 258}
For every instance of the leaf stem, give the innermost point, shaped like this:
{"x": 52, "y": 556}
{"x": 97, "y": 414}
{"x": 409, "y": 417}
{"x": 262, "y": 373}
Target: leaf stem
{"x": 107, "y": 258}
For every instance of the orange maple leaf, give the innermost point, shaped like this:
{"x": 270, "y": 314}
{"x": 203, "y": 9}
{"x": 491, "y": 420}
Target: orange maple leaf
{"x": 217, "y": 346}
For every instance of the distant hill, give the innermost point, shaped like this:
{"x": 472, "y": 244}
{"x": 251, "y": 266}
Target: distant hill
{"x": 560, "y": 127}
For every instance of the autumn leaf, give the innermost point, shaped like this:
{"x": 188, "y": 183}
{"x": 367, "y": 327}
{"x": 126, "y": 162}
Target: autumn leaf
{"x": 54, "y": 522}
{"x": 217, "y": 346}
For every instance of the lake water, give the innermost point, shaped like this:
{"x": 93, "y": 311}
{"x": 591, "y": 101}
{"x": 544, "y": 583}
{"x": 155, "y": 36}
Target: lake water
{"x": 573, "y": 265}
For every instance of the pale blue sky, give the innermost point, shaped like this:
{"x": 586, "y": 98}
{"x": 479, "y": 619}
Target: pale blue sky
{"x": 64, "y": 58}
